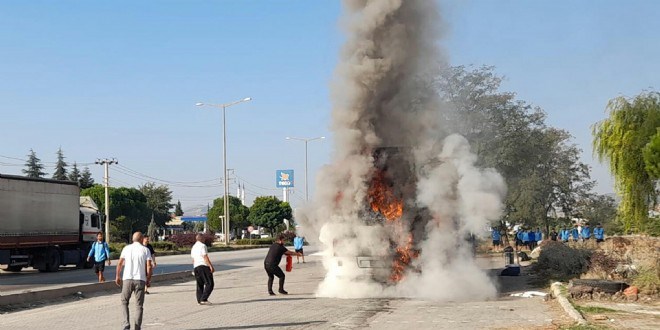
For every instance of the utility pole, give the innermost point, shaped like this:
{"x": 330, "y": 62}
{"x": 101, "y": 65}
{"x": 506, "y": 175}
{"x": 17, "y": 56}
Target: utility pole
{"x": 106, "y": 183}
{"x": 306, "y": 140}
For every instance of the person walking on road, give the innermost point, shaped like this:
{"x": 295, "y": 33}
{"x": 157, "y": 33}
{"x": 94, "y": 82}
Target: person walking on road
{"x": 203, "y": 270}
{"x": 298, "y": 243}
{"x": 145, "y": 242}
{"x": 101, "y": 254}
{"x": 272, "y": 262}
{"x": 135, "y": 261}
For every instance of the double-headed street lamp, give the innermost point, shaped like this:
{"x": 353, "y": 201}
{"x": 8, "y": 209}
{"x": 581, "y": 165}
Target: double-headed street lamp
{"x": 306, "y": 140}
{"x": 224, "y": 151}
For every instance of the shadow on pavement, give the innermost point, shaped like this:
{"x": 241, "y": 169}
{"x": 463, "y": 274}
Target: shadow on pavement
{"x": 258, "y": 300}
{"x": 267, "y": 326}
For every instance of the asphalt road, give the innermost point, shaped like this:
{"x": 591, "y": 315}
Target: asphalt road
{"x": 31, "y": 280}
{"x": 240, "y": 301}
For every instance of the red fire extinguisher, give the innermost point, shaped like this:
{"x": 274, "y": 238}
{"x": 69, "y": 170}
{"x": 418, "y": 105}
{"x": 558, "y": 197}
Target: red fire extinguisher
{"x": 289, "y": 263}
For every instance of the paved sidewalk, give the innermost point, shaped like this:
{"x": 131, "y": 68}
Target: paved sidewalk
{"x": 241, "y": 302}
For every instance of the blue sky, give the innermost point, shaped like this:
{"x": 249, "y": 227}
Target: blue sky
{"x": 120, "y": 79}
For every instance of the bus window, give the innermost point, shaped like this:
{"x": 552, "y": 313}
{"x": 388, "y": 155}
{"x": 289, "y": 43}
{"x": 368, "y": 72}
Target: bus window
{"x": 95, "y": 221}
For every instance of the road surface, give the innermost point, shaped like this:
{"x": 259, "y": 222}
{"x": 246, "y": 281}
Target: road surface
{"x": 240, "y": 301}
{"x": 31, "y": 280}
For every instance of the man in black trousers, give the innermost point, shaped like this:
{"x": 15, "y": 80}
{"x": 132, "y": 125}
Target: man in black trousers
{"x": 203, "y": 270}
{"x": 272, "y": 261}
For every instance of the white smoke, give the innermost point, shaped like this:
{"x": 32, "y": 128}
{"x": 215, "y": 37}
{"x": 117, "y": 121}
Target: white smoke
{"x": 387, "y": 120}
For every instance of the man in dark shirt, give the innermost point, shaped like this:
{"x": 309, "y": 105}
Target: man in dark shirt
{"x": 272, "y": 261}
{"x": 145, "y": 242}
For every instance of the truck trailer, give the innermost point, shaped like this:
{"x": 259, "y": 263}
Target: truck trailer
{"x": 45, "y": 224}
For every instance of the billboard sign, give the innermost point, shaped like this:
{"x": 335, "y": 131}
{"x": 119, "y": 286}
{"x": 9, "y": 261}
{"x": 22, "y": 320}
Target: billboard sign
{"x": 284, "y": 178}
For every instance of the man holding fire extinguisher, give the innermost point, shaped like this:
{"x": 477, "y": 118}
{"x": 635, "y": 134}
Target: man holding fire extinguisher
{"x": 272, "y": 262}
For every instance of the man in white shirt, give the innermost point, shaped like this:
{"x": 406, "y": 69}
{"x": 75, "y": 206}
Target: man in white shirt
{"x": 135, "y": 261}
{"x": 203, "y": 270}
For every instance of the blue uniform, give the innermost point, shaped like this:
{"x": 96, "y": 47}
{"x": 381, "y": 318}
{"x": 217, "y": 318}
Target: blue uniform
{"x": 586, "y": 232}
{"x": 564, "y": 235}
{"x": 574, "y": 233}
{"x": 539, "y": 236}
{"x": 496, "y": 235}
{"x": 599, "y": 233}
{"x": 531, "y": 236}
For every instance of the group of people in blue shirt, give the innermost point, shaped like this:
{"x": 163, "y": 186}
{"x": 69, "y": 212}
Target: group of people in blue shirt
{"x": 566, "y": 234}
{"x": 528, "y": 238}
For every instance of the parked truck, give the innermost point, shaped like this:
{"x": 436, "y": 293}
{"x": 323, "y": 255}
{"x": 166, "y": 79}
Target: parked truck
{"x": 45, "y": 224}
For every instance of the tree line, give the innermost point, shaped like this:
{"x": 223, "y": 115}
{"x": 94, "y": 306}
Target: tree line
{"x": 34, "y": 168}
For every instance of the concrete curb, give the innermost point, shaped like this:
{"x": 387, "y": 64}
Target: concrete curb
{"x": 111, "y": 287}
{"x": 566, "y": 305}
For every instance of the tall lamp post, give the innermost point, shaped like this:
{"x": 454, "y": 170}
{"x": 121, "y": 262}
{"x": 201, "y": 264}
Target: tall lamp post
{"x": 306, "y": 140}
{"x": 224, "y": 151}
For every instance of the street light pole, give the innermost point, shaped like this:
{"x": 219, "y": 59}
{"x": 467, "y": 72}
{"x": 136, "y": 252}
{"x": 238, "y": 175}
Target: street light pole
{"x": 224, "y": 156}
{"x": 306, "y": 140}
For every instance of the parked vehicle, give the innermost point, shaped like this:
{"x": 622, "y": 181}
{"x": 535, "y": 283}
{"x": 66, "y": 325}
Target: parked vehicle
{"x": 45, "y": 224}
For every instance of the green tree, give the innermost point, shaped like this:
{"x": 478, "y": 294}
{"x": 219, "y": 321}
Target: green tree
{"x": 128, "y": 209}
{"x": 619, "y": 140}
{"x": 178, "y": 211}
{"x": 60, "y": 166}
{"x": 269, "y": 212}
{"x": 159, "y": 201}
{"x": 540, "y": 165}
{"x": 652, "y": 156}
{"x": 598, "y": 209}
{"x": 238, "y": 214}
{"x": 74, "y": 175}
{"x": 33, "y": 167}
{"x": 86, "y": 180}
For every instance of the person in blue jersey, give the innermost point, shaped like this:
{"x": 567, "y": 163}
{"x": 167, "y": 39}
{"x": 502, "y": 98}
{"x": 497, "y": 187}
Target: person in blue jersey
{"x": 519, "y": 241}
{"x": 298, "y": 243}
{"x": 575, "y": 233}
{"x": 525, "y": 238}
{"x": 599, "y": 233}
{"x": 539, "y": 235}
{"x": 564, "y": 234}
{"x": 497, "y": 238}
{"x": 531, "y": 239}
{"x": 101, "y": 254}
{"x": 586, "y": 232}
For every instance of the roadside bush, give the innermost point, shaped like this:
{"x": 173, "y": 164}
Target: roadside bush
{"x": 188, "y": 240}
{"x": 116, "y": 247}
{"x": 647, "y": 280}
{"x": 164, "y": 246}
{"x": 560, "y": 262}
{"x": 255, "y": 241}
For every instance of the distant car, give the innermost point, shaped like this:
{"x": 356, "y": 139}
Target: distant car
{"x": 265, "y": 236}
{"x": 221, "y": 236}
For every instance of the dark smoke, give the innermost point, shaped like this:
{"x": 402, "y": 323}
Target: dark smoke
{"x": 388, "y": 130}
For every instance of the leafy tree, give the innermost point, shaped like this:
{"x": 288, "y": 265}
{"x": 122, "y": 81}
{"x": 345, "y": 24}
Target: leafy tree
{"x": 269, "y": 212}
{"x": 128, "y": 209}
{"x": 652, "y": 156}
{"x": 540, "y": 165}
{"x": 86, "y": 180}
{"x": 238, "y": 214}
{"x": 34, "y": 168}
{"x": 159, "y": 201}
{"x": 74, "y": 175}
{"x": 60, "y": 166}
{"x": 598, "y": 209}
{"x": 178, "y": 211}
{"x": 620, "y": 140}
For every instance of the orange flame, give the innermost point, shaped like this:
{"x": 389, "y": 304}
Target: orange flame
{"x": 404, "y": 254}
{"x": 382, "y": 198}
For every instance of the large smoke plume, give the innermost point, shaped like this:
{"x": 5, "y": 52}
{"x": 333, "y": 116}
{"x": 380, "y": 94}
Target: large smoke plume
{"x": 399, "y": 192}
